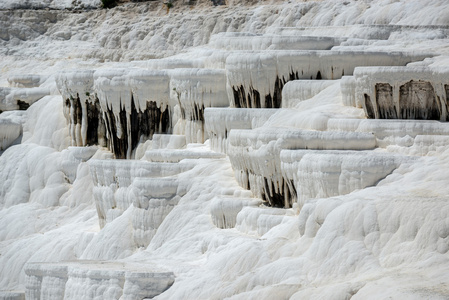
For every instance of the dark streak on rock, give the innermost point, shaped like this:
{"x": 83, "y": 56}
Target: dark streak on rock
{"x": 417, "y": 101}
{"x": 385, "y": 104}
{"x": 369, "y": 109}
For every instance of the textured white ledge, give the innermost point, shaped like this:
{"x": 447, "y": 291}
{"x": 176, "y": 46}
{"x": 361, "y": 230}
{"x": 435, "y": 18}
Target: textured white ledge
{"x": 255, "y": 157}
{"x": 25, "y": 80}
{"x": 403, "y": 92}
{"x": 255, "y": 79}
{"x": 113, "y": 183}
{"x": 95, "y": 279}
{"x": 220, "y": 121}
{"x": 224, "y": 210}
{"x": 231, "y": 41}
{"x": 20, "y": 98}
{"x": 324, "y": 174}
{"x": 193, "y": 90}
{"x": 390, "y": 132}
{"x": 259, "y": 220}
{"x": 154, "y": 199}
{"x": 176, "y": 155}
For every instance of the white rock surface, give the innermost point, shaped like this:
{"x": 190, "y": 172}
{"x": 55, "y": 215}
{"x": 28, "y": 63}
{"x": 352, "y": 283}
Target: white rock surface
{"x": 359, "y": 239}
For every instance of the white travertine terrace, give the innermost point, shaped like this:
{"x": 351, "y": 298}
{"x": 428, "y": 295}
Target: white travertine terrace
{"x": 176, "y": 155}
{"x": 290, "y": 191}
{"x": 76, "y": 88}
{"x": 232, "y": 41}
{"x": 194, "y": 90}
{"x": 258, "y": 221}
{"x": 324, "y": 174}
{"x": 100, "y": 280}
{"x": 137, "y": 105}
{"x": 224, "y": 210}
{"x": 403, "y": 92}
{"x": 153, "y": 200}
{"x": 113, "y": 183}
{"x": 220, "y": 121}
{"x": 25, "y": 80}
{"x": 255, "y": 79}
{"x": 387, "y": 132}
{"x": 20, "y": 98}
{"x": 255, "y": 156}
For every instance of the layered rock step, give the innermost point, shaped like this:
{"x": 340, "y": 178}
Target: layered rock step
{"x": 14, "y": 98}
{"x": 220, "y": 121}
{"x": 412, "y": 92}
{"x": 114, "y": 189}
{"x": 259, "y": 220}
{"x": 329, "y": 173}
{"x": 95, "y": 279}
{"x": 249, "y": 41}
{"x": 256, "y": 79}
{"x": 391, "y": 132}
{"x": 255, "y": 157}
{"x": 119, "y": 108}
{"x": 224, "y": 210}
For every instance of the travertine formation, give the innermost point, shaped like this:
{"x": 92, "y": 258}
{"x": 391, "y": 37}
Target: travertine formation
{"x": 293, "y": 154}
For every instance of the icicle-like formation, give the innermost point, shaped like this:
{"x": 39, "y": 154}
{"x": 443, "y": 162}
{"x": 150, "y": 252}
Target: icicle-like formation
{"x": 224, "y": 210}
{"x": 81, "y": 108}
{"x": 193, "y": 90}
{"x": 91, "y": 279}
{"x": 220, "y": 121}
{"x": 233, "y": 41}
{"x": 112, "y": 180}
{"x": 256, "y": 79}
{"x": 412, "y": 92}
{"x": 136, "y": 105}
{"x": 299, "y": 90}
{"x": 323, "y": 174}
{"x": 255, "y": 157}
